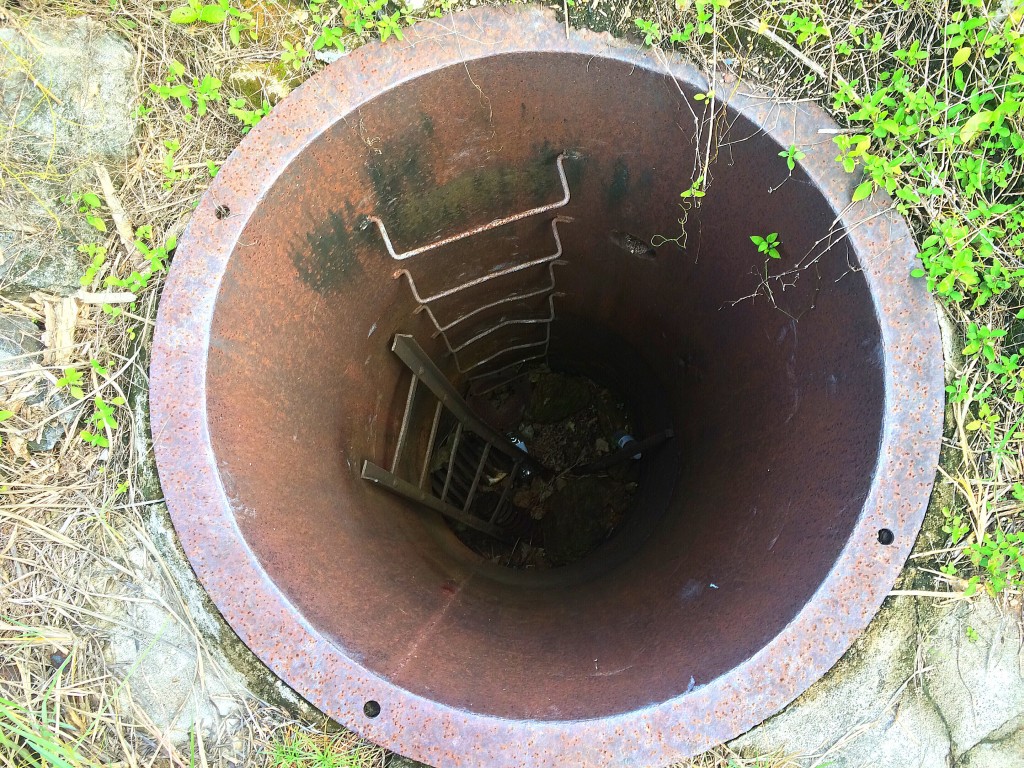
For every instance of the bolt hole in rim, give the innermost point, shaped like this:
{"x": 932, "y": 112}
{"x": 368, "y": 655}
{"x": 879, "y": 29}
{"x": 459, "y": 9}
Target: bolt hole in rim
{"x": 274, "y": 516}
{"x": 371, "y": 709}
{"x": 885, "y": 536}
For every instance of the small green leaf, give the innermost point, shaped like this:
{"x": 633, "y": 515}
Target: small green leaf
{"x": 961, "y": 56}
{"x": 183, "y": 15}
{"x": 974, "y": 124}
{"x": 862, "y": 191}
{"x": 212, "y": 14}
{"x": 5, "y": 415}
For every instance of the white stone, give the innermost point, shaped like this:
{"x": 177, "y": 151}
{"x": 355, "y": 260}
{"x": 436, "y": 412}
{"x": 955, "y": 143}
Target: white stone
{"x": 914, "y": 691}
{"x": 867, "y": 711}
{"x": 978, "y": 686}
{"x": 68, "y": 94}
{"x": 1004, "y": 752}
{"x": 169, "y": 671}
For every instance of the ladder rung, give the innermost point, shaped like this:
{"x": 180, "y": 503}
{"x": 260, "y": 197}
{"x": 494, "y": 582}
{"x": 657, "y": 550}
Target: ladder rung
{"x": 430, "y": 443}
{"x": 476, "y": 478}
{"x": 399, "y": 486}
{"x": 451, "y": 460}
{"x": 404, "y": 429}
{"x": 484, "y": 228}
{"x": 423, "y": 367}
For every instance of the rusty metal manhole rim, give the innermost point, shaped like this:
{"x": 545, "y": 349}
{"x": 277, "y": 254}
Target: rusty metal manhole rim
{"x": 657, "y": 734}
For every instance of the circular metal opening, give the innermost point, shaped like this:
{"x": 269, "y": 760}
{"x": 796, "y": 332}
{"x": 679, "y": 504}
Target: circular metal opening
{"x": 802, "y": 396}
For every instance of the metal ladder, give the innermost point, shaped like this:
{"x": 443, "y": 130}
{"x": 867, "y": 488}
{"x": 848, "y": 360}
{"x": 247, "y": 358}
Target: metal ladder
{"x": 475, "y": 451}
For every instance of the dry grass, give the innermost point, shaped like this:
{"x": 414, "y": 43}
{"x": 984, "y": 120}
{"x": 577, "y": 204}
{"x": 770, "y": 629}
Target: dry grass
{"x": 723, "y": 757}
{"x": 71, "y": 518}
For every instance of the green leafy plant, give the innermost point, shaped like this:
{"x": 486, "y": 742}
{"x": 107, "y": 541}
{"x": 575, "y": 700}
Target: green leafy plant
{"x": 769, "y": 244}
{"x": 239, "y": 20}
{"x": 199, "y": 94}
{"x": 330, "y": 37}
{"x": 293, "y": 55}
{"x": 173, "y": 88}
{"x": 4, "y": 416}
{"x": 101, "y": 422}
{"x": 693, "y": 196}
{"x": 97, "y": 259}
{"x": 651, "y": 31}
{"x": 89, "y": 203}
{"x": 169, "y": 165}
{"x": 339, "y": 18}
{"x": 72, "y": 382}
{"x": 205, "y": 91}
{"x": 956, "y": 525}
{"x": 249, "y": 118}
{"x": 807, "y": 31}
{"x": 793, "y": 155}
{"x": 1001, "y": 556}
{"x": 913, "y": 55}
{"x": 156, "y": 257}
{"x": 197, "y": 11}
{"x": 982, "y": 340}
{"x": 390, "y": 25}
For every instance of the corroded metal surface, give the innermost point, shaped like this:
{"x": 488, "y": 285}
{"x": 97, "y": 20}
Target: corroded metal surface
{"x": 806, "y": 410}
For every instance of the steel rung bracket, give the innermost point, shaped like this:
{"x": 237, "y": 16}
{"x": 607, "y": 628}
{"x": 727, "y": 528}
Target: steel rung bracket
{"x": 477, "y": 230}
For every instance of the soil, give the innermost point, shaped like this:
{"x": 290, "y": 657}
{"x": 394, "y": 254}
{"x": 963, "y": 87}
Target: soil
{"x": 565, "y": 422}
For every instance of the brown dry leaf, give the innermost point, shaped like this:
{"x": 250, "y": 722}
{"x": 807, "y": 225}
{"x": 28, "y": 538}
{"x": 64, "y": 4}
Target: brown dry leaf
{"x": 26, "y": 390}
{"x": 72, "y": 715}
{"x": 59, "y": 337}
{"x": 121, "y": 223}
{"x": 18, "y": 446}
{"x": 15, "y": 403}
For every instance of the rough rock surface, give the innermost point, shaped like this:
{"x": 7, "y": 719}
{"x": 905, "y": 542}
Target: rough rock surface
{"x": 864, "y": 711}
{"x": 20, "y": 345}
{"x": 996, "y": 752}
{"x": 913, "y": 692}
{"x": 977, "y": 686}
{"x": 156, "y": 647}
{"x": 69, "y": 92}
{"x": 24, "y": 388}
